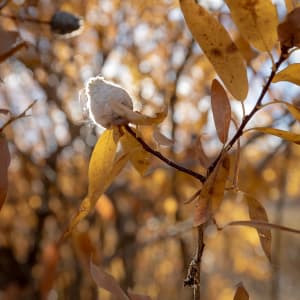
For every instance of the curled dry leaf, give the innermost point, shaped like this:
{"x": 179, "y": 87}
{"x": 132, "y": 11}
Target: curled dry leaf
{"x": 241, "y": 293}
{"x": 107, "y": 282}
{"x": 219, "y": 48}
{"x": 256, "y": 20}
{"x": 4, "y": 163}
{"x": 161, "y": 139}
{"x": 221, "y": 110}
{"x": 289, "y": 30}
{"x": 212, "y": 192}
{"x": 290, "y": 73}
{"x": 258, "y": 213}
{"x": 286, "y": 135}
{"x": 100, "y": 173}
{"x": 138, "y": 156}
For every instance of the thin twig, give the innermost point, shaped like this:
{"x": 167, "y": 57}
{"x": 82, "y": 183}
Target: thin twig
{"x": 24, "y": 19}
{"x": 21, "y": 115}
{"x": 163, "y": 158}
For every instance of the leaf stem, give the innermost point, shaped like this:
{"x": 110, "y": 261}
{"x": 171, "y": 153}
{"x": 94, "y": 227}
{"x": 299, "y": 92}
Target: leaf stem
{"x": 163, "y": 158}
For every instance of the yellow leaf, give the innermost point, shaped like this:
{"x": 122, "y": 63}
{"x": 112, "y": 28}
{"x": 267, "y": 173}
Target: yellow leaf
{"x": 257, "y": 212}
{"x": 286, "y": 135}
{"x": 221, "y": 110}
{"x": 212, "y": 192}
{"x": 218, "y": 47}
{"x": 291, "y": 74}
{"x": 241, "y": 293}
{"x": 139, "y": 157}
{"x": 294, "y": 110}
{"x": 101, "y": 173}
{"x": 256, "y": 20}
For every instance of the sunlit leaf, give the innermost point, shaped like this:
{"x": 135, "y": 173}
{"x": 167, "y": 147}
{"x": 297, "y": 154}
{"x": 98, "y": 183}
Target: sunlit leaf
{"x": 258, "y": 213}
{"x": 286, "y": 135}
{"x": 4, "y": 163}
{"x": 221, "y": 110}
{"x": 241, "y": 293}
{"x": 100, "y": 173}
{"x": 212, "y": 192}
{"x": 107, "y": 282}
{"x": 290, "y": 5}
{"x": 138, "y": 156}
{"x": 291, "y": 74}
{"x": 218, "y": 47}
{"x": 256, "y": 20}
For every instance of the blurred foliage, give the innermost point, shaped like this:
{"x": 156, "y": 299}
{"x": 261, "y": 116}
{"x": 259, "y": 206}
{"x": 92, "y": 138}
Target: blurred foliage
{"x": 141, "y": 230}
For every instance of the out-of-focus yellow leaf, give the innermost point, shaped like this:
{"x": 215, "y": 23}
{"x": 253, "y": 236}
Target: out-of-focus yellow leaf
{"x": 134, "y": 296}
{"x": 291, "y": 74}
{"x": 256, "y": 20}
{"x": 241, "y": 293}
{"x": 101, "y": 172}
{"x": 4, "y": 163}
{"x": 221, "y": 110}
{"x": 258, "y": 213}
{"x": 212, "y": 192}
{"x": 136, "y": 117}
{"x": 286, "y": 135}
{"x": 107, "y": 282}
{"x": 290, "y": 5}
{"x": 139, "y": 157}
{"x": 218, "y": 47}
{"x": 293, "y": 109}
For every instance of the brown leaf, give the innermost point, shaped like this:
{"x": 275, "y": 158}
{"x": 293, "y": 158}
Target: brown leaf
{"x": 212, "y": 192}
{"x": 221, "y": 110}
{"x": 161, "y": 139}
{"x": 8, "y": 40}
{"x": 134, "y": 296}
{"x": 4, "y": 163}
{"x": 107, "y": 282}
{"x": 258, "y": 213}
{"x": 241, "y": 293}
{"x": 289, "y": 30}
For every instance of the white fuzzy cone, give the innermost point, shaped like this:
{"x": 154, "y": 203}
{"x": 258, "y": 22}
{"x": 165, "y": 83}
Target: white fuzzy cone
{"x": 102, "y": 97}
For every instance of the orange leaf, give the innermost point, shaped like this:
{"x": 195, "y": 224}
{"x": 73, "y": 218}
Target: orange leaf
{"x": 221, "y": 110}
{"x": 219, "y": 48}
{"x": 258, "y": 213}
{"x": 241, "y": 293}
{"x": 4, "y": 163}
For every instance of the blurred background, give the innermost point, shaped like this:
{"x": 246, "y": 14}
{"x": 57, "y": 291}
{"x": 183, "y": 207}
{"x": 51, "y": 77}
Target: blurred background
{"x": 141, "y": 230}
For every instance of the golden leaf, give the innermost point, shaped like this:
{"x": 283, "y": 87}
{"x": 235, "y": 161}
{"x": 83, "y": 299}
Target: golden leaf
{"x": 221, "y": 110}
{"x": 101, "y": 173}
{"x": 256, "y": 20}
{"x": 291, "y": 74}
{"x": 138, "y": 156}
{"x": 286, "y": 135}
{"x": 218, "y": 47}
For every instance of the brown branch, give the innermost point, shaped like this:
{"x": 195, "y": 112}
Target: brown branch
{"x": 21, "y": 115}
{"x": 163, "y": 158}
